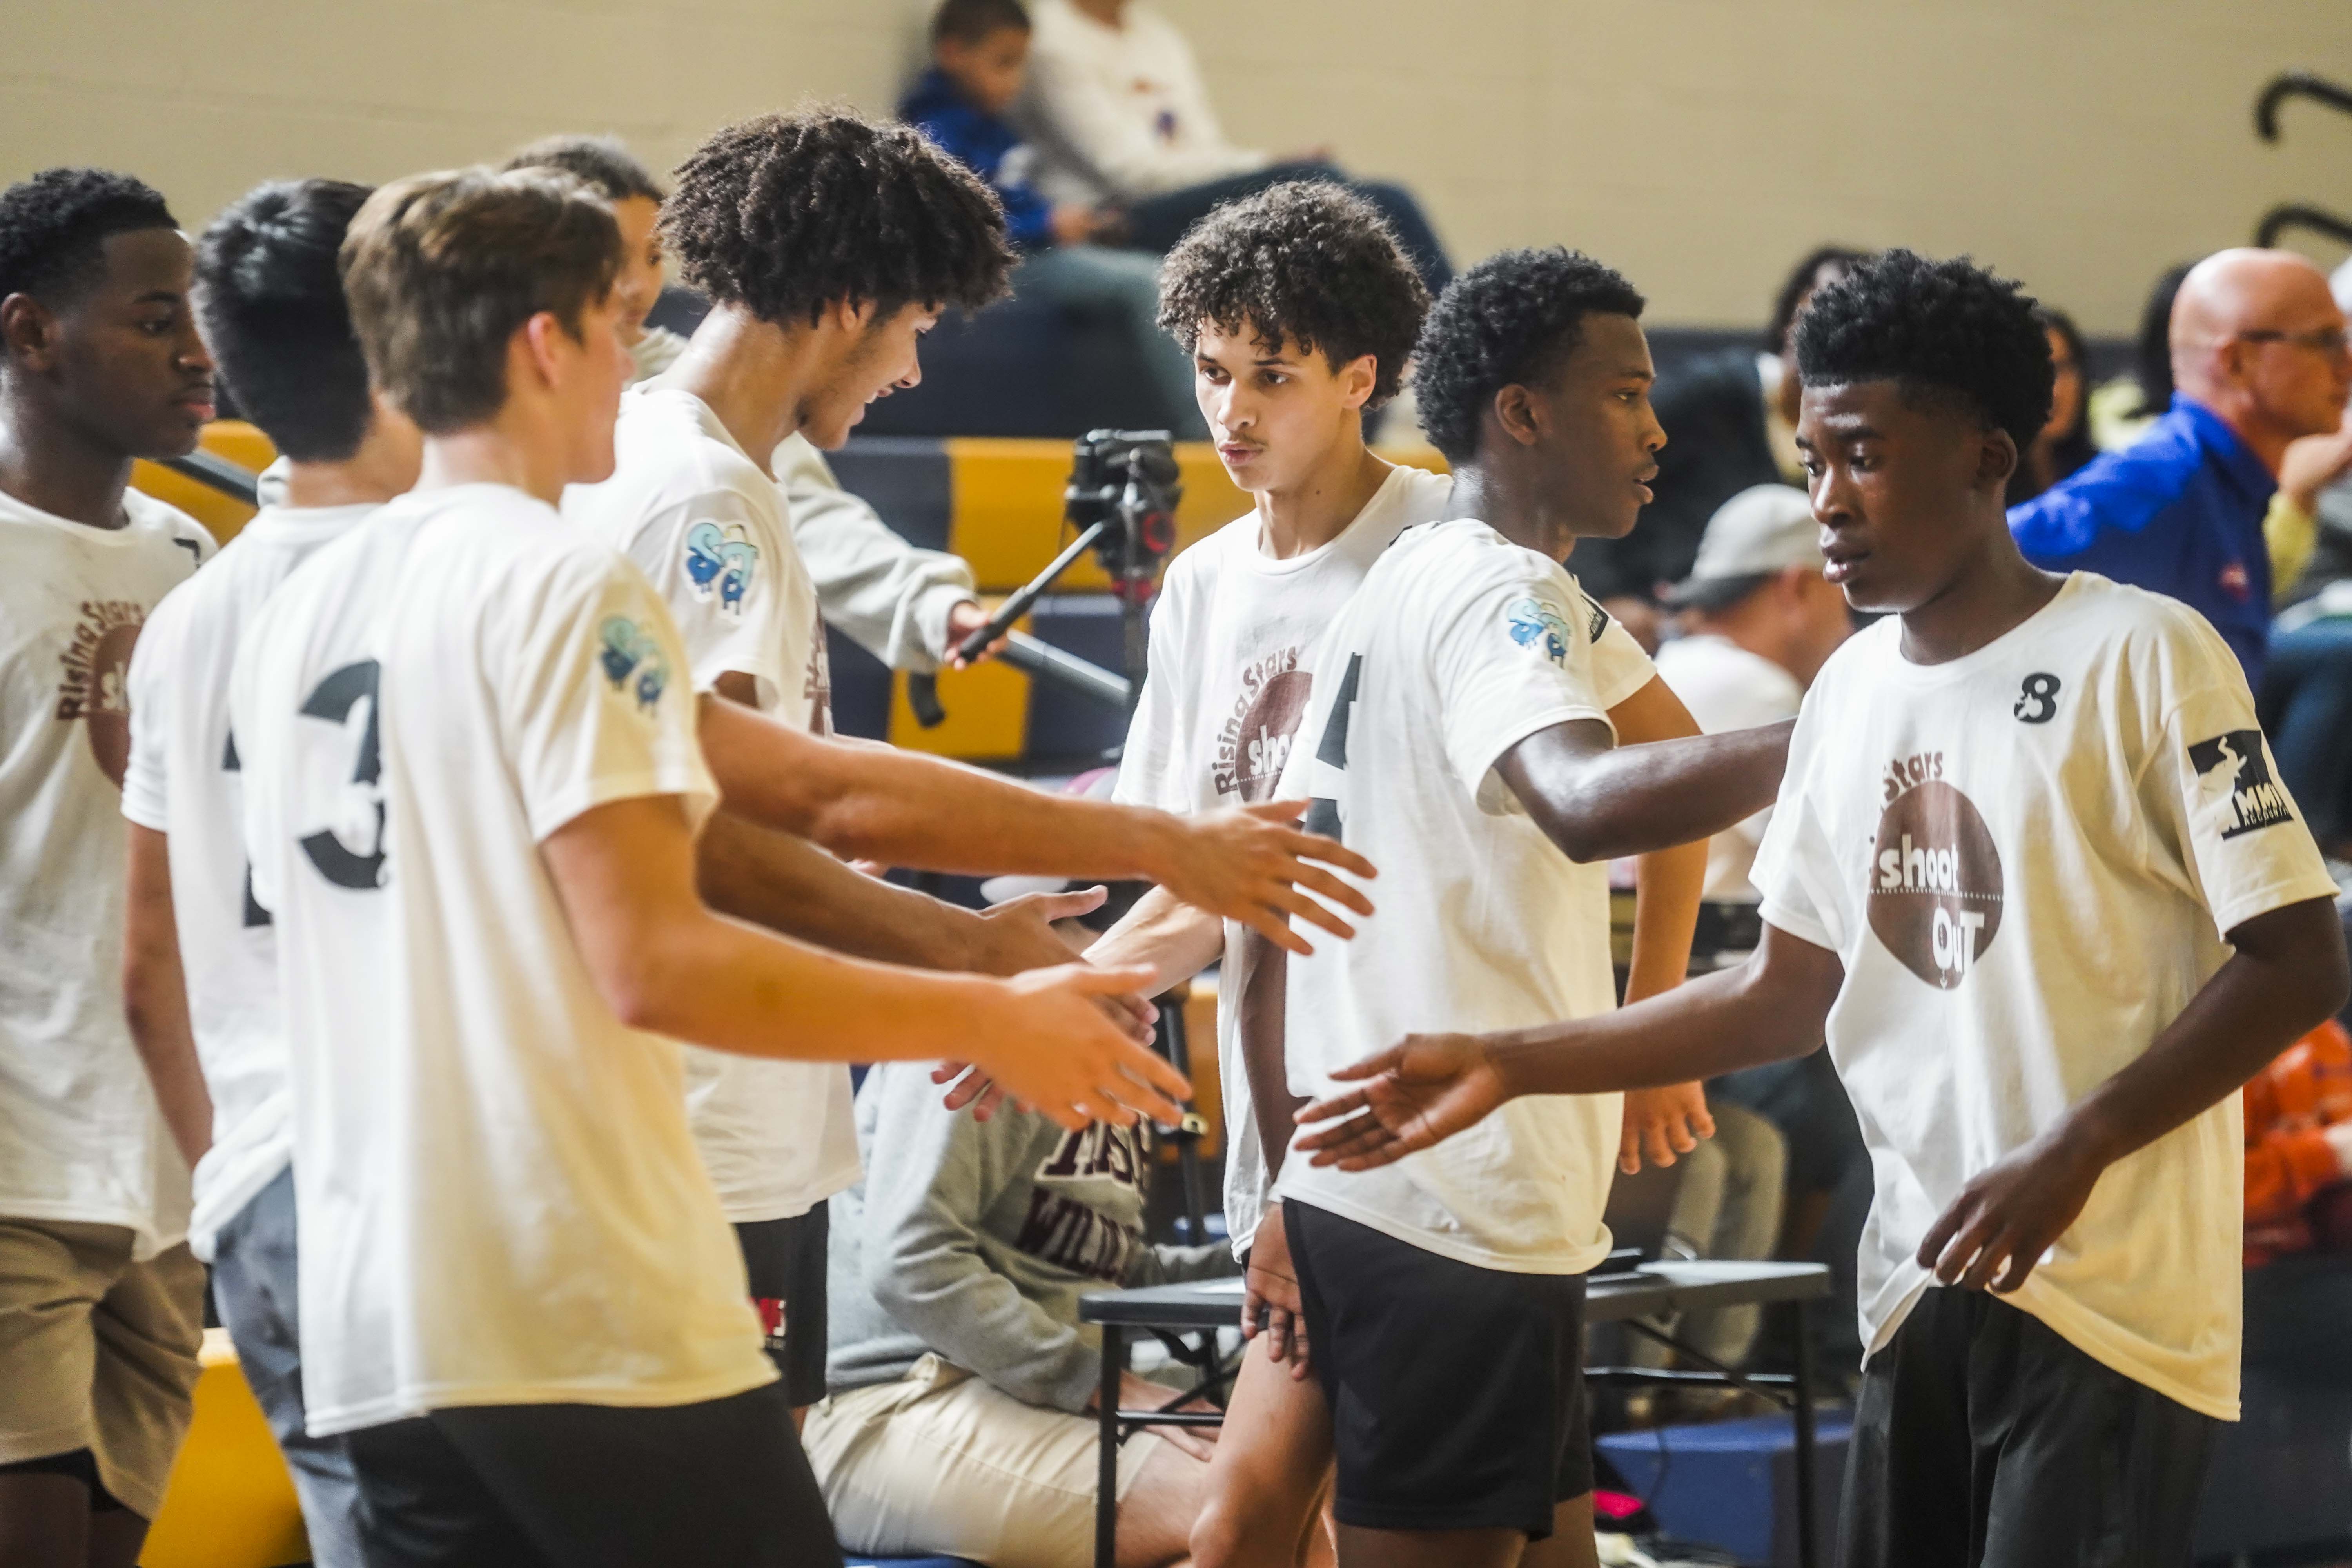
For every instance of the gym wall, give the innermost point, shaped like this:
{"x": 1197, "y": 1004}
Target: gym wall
{"x": 1698, "y": 145}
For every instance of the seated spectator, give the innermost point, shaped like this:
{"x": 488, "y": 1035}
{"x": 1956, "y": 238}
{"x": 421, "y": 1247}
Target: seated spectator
{"x": 980, "y": 53}
{"x": 1118, "y": 112}
{"x": 959, "y": 1374}
{"x": 2064, "y": 443}
{"x": 1730, "y": 420}
{"x": 2259, "y": 361}
{"x": 1758, "y": 623}
{"x": 2299, "y": 1211}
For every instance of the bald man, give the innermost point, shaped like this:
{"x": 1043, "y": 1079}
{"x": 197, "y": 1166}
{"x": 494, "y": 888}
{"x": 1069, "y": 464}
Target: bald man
{"x": 2258, "y": 361}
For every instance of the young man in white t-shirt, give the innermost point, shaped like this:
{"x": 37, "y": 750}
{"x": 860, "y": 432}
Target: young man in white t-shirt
{"x": 2033, "y": 872}
{"x": 200, "y": 970}
{"x": 798, "y": 227}
{"x": 472, "y": 782}
{"x": 1461, "y": 722}
{"x": 101, "y": 1304}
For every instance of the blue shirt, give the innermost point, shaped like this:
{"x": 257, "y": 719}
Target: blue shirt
{"x": 986, "y": 145}
{"x": 2179, "y": 513}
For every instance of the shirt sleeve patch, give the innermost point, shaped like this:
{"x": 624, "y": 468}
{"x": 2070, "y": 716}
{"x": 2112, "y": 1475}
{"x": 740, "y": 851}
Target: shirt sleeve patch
{"x": 721, "y": 562}
{"x": 633, "y": 657}
{"x": 1541, "y": 624}
{"x": 2233, "y": 773}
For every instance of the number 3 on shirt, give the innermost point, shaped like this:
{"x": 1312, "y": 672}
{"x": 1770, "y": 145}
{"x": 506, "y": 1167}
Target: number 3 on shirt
{"x": 1323, "y": 812}
{"x": 332, "y": 700}
{"x": 2037, "y": 700}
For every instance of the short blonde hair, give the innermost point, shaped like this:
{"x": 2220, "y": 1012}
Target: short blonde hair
{"x": 441, "y": 269}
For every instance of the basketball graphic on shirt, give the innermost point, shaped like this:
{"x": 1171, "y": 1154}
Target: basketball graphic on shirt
{"x": 97, "y": 668}
{"x": 1935, "y": 883}
{"x": 1255, "y": 742}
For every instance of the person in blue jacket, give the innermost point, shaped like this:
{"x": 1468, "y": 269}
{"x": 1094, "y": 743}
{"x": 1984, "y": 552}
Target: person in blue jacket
{"x": 979, "y": 51}
{"x": 2259, "y": 360}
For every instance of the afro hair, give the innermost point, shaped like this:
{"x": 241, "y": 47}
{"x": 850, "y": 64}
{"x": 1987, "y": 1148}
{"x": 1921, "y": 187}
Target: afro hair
{"x": 1511, "y": 319}
{"x": 1941, "y": 330}
{"x": 53, "y": 227}
{"x": 269, "y": 293}
{"x": 1307, "y": 264}
{"x": 787, "y": 214}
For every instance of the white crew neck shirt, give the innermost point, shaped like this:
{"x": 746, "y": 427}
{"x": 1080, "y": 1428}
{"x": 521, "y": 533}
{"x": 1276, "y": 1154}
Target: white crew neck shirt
{"x": 2026, "y": 860}
{"x": 1727, "y": 687}
{"x": 1233, "y": 635}
{"x": 182, "y": 781}
{"x": 707, "y": 527}
{"x": 1459, "y": 646}
{"x": 499, "y": 1200}
{"x": 81, "y": 1138}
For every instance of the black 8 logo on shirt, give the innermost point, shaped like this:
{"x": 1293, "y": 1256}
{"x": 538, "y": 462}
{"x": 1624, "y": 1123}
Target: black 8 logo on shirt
{"x": 2037, "y": 700}
{"x": 1935, "y": 880}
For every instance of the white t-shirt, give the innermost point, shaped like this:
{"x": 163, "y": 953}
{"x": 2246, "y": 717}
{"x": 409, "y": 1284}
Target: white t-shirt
{"x": 2026, "y": 860}
{"x": 82, "y": 1137}
{"x": 1727, "y": 687}
{"x": 1233, "y": 633}
{"x": 1459, "y": 646}
{"x": 183, "y": 782}
{"x": 708, "y": 528}
{"x": 499, "y": 1202}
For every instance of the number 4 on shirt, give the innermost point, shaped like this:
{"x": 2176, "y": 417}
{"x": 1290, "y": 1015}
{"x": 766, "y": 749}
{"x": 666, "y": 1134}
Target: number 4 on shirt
{"x": 1323, "y": 812}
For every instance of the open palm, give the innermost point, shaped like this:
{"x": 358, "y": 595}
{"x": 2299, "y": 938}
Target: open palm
{"x": 1414, "y": 1095}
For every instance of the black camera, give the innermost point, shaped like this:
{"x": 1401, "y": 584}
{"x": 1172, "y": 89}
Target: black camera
{"x": 1128, "y": 480}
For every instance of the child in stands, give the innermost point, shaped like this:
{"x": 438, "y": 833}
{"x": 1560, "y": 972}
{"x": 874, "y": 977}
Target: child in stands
{"x": 2030, "y": 870}
{"x": 101, "y": 1303}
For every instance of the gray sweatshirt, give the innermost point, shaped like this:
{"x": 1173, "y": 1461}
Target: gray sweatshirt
{"x": 975, "y": 1239}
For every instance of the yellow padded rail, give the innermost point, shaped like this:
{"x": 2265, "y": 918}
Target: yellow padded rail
{"x": 234, "y": 439}
{"x": 231, "y": 1501}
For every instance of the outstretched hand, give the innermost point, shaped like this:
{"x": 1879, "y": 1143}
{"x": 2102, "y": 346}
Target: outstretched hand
{"x": 1250, "y": 864}
{"x": 1663, "y": 1123}
{"x": 1414, "y": 1095}
{"x": 1046, "y": 1040}
{"x": 1995, "y": 1232}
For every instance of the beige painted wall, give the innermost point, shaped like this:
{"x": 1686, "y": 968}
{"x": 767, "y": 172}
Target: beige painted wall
{"x": 1698, "y": 145}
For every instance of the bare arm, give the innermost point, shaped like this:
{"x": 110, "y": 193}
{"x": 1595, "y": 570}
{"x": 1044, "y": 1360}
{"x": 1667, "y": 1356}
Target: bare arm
{"x": 1175, "y": 939}
{"x": 1416, "y": 1094}
{"x": 666, "y": 964}
{"x": 2288, "y": 973}
{"x": 156, "y": 996}
{"x": 1598, "y": 801}
{"x": 1662, "y": 1122}
{"x": 904, "y": 809}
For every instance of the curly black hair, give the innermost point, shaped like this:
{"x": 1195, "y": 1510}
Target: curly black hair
{"x": 1511, "y": 319}
{"x": 1939, "y": 330}
{"x": 269, "y": 295}
{"x": 603, "y": 163}
{"x": 787, "y": 214}
{"x": 1306, "y": 263}
{"x": 54, "y": 226}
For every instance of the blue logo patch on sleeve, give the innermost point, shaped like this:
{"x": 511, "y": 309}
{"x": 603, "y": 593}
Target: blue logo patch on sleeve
{"x": 1542, "y": 625}
{"x": 632, "y": 656}
{"x": 720, "y": 561}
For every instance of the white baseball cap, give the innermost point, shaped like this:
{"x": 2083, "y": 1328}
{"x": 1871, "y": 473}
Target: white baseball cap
{"x": 1762, "y": 529}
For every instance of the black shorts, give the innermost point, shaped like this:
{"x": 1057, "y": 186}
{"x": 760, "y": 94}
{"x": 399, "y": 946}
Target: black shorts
{"x": 722, "y": 1484}
{"x": 1457, "y": 1393}
{"x": 1983, "y": 1437}
{"x": 785, "y": 1261}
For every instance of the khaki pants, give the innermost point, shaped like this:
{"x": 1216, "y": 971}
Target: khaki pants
{"x": 97, "y": 1353}
{"x": 943, "y": 1462}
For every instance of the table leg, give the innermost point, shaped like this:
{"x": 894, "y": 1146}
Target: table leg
{"x": 1807, "y": 1547}
{"x": 1114, "y": 1363}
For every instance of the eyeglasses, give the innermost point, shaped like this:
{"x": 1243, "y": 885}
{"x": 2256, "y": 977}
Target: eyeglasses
{"x": 2331, "y": 342}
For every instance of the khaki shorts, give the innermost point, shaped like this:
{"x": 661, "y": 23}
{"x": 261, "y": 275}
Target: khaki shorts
{"x": 943, "y": 1462}
{"x": 97, "y": 1353}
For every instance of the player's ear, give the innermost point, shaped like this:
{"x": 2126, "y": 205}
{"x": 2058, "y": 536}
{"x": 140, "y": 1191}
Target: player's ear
{"x": 28, "y": 330}
{"x": 1356, "y": 379}
{"x": 1997, "y": 459}
{"x": 1516, "y": 410}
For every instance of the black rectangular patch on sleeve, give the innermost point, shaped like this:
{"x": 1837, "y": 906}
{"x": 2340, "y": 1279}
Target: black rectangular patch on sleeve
{"x": 2233, "y": 763}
